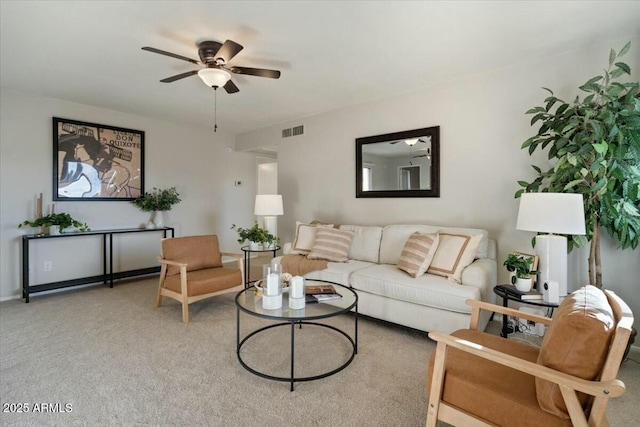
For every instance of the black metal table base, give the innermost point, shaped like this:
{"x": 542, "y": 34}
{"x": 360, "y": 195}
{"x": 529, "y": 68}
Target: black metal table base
{"x": 292, "y": 379}
{"x": 107, "y": 276}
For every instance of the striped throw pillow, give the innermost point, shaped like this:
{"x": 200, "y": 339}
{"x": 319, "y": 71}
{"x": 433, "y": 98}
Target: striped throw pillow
{"x": 331, "y": 244}
{"x": 418, "y": 253}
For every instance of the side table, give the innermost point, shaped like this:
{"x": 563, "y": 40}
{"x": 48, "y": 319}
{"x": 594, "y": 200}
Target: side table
{"x": 506, "y": 297}
{"x": 247, "y": 255}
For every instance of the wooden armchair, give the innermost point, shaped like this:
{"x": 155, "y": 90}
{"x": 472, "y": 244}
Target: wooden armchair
{"x": 478, "y": 379}
{"x": 192, "y": 270}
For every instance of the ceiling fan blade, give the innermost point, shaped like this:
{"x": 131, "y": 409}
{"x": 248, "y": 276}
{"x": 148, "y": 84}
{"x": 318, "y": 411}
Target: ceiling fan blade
{"x": 260, "y": 72}
{"x": 230, "y": 87}
{"x": 173, "y": 55}
{"x": 179, "y": 76}
{"x": 228, "y": 50}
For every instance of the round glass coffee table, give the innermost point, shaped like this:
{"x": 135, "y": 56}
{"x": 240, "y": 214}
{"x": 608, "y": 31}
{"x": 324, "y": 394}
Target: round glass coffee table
{"x": 249, "y": 301}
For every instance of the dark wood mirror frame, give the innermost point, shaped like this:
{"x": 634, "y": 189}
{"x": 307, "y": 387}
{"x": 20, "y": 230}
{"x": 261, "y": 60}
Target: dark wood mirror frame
{"x": 434, "y": 191}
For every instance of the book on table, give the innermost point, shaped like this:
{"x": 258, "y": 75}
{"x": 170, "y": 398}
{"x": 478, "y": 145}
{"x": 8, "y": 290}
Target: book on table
{"x": 524, "y": 296}
{"x": 320, "y": 293}
{"x": 319, "y": 289}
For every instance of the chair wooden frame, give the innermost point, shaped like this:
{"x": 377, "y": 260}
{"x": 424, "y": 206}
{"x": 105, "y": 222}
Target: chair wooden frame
{"x": 183, "y": 297}
{"x": 603, "y": 389}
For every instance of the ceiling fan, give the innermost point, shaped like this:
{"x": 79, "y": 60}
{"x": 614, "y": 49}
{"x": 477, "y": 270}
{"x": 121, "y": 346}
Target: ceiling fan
{"x": 215, "y": 56}
{"x": 412, "y": 141}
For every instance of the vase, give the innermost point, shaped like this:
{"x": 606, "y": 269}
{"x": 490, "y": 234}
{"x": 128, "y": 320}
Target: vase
{"x": 158, "y": 219}
{"x": 255, "y": 246}
{"x": 54, "y": 230}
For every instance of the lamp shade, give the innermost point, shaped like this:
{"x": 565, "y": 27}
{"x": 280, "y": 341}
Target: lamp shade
{"x": 561, "y": 213}
{"x": 268, "y": 204}
{"x": 214, "y": 77}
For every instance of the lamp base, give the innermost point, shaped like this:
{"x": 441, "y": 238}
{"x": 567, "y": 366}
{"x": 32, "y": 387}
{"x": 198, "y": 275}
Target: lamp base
{"x": 271, "y": 225}
{"x": 552, "y": 250}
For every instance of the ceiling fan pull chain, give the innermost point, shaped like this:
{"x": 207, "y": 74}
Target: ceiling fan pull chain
{"x": 215, "y": 109}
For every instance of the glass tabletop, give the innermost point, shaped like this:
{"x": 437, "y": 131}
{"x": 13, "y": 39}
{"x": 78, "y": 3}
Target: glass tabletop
{"x": 250, "y": 301}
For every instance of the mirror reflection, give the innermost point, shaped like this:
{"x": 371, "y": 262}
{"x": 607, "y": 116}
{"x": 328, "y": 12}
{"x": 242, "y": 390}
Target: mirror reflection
{"x": 402, "y": 164}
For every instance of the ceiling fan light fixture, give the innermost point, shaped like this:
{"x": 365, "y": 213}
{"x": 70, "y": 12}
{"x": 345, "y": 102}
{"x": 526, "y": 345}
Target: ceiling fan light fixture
{"x": 214, "y": 77}
{"x": 411, "y": 142}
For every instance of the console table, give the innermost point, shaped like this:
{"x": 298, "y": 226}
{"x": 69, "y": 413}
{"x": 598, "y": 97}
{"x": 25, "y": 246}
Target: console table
{"x": 107, "y": 274}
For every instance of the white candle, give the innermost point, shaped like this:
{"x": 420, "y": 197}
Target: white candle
{"x": 272, "y": 285}
{"x": 297, "y": 287}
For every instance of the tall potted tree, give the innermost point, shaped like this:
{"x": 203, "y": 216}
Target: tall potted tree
{"x": 595, "y": 142}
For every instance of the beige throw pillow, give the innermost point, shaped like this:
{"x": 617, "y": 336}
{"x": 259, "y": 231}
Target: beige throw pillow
{"x": 454, "y": 253}
{"x": 305, "y": 237}
{"x": 331, "y": 244}
{"x": 418, "y": 253}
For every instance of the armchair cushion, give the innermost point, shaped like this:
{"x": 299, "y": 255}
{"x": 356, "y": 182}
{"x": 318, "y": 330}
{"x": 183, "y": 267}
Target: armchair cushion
{"x": 576, "y": 343}
{"x": 205, "y": 281}
{"x": 198, "y": 252}
{"x": 493, "y": 392}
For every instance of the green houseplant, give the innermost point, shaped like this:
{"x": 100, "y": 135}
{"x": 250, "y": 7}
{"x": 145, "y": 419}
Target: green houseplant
{"x": 62, "y": 220}
{"x": 157, "y": 201}
{"x": 255, "y": 234}
{"x": 595, "y": 142}
{"x": 522, "y": 267}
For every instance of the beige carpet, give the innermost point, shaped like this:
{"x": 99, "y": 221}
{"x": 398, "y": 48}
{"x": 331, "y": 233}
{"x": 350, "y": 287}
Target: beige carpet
{"x": 119, "y": 360}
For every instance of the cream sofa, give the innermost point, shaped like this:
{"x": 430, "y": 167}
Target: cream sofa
{"x": 428, "y": 302}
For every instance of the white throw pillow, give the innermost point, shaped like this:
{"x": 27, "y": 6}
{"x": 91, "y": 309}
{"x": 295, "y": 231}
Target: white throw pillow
{"x": 305, "y": 237}
{"x": 331, "y": 244}
{"x": 455, "y": 252}
{"x": 418, "y": 253}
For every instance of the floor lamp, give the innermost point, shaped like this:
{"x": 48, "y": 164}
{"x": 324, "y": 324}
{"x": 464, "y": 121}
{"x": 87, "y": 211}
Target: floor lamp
{"x": 552, "y": 213}
{"x": 268, "y": 206}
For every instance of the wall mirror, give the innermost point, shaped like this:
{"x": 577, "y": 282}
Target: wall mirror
{"x": 401, "y": 164}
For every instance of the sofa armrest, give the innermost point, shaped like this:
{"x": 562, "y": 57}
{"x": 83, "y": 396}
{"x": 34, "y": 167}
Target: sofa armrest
{"x": 481, "y": 274}
{"x": 286, "y": 248}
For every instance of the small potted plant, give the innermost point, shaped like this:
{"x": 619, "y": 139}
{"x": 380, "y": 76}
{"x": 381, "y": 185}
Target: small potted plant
{"x": 158, "y": 201}
{"x": 56, "y": 222}
{"x": 258, "y": 237}
{"x": 521, "y": 267}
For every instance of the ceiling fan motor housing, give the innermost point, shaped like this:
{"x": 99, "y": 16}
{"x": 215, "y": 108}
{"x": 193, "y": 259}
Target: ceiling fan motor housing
{"x": 207, "y": 51}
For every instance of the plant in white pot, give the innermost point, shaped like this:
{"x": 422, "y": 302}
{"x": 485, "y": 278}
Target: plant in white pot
{"x": 258, "y": 237}
{"x": 158, "y": 201}
{"x": 56, "y": 222}
{"x": 522, "y": 269}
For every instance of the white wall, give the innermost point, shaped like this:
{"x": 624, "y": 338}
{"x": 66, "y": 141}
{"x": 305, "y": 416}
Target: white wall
{"x": 482, "y": 126}
{"x": 194, "y": 160}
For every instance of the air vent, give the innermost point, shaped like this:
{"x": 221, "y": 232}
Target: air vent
{"x": 294, "y": 131}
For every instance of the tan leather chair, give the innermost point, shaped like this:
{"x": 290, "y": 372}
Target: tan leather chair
{"x": 192, "y": 270}
{"x": 478, "y": 379}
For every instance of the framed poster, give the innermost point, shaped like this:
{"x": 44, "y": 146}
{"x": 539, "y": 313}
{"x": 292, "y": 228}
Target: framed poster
{"x": 96, "y": 162}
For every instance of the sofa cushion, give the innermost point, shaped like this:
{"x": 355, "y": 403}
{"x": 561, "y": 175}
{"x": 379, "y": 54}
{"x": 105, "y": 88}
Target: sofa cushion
{"x": 429, "y": 290}
{"x": 394, "y": 237}
{"x": 365, "y": 245}
{"x": 454, "y": 253}
{"x": 331, "y": 244}
{"x": 576, "y": 343}
{"x": 339, "y": 272}
{"x": 305, "y": 237}
{"x": 483, "y": 247}
{"x": 418, "y": 253}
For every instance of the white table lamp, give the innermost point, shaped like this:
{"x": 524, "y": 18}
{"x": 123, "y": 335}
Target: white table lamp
{"x": 268, "y": 206}
{"x": 552, "y": 213}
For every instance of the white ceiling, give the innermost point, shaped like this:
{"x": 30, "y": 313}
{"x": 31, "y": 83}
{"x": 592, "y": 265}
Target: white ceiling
{"x": 332, "y": 54}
